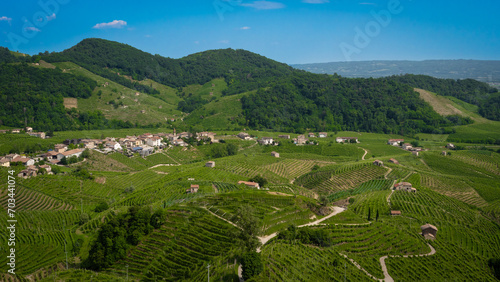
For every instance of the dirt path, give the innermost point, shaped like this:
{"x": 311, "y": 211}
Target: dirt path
{"x": 359, "y": 266}
{"x": 265, "y": 239}
{"x": 388, "y": 277}
{"x": 387, "y": 173}
{"x": 222, "y": 218}
{"x": 366, "y": 152}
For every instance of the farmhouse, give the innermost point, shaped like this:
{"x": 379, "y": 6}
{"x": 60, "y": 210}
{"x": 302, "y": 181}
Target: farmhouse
{"x": 250, "y": 184}
{"x": 47, "y": 168}
{"x": 244, "y": 135}
{"x": 266, "y": 141}
{"x": 37, "y": 134}
{"x": 26, "y": 173}
{"x": 323, "y": 135}
{"x": 153, "y": 141}
{"x": 404, "y": 186}
{"x": 210, "y": 164}
{"x": 206, "y": 135}
{"x": 24, "y": 160}
{"x": 51, "y": 155}
{"x": 395, "y": 142}
{"x": 179, "y": 142}
{"x": 29, "y": 129}
{"x": 185, "y": 135}
{"x": 10, "y": 157}
{"x": 311, "y": 135}
{"x": 16, "y": 130}
{"x": 378, "y": 162}
{"x": 275, "y": 154}
{"x": 300, "y": 140}
{"x": 69, "y": 154}
{"x": 407, "y": 146}
{"x": 395, "y": 212}
{"x": 429, "y": 231}
{"x": 284, "y": 136}
{"x": 394, "y": 161}
{"x": 114, "y": 145}
{"x": 346, "y": 139}
{"x": 59, "y": 148}
{"x": 193, "y": 189}
{"x": 4, "y": 162}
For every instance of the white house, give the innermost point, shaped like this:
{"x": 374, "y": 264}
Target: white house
{"x": 24, "y": 160}
{"x": 395, "y": 142}
{"x": 114, "y": 145}
{"x": 266, "y": 141}
{"x": 322, "y": 134}
{"x": 153, "y": 141}
{"x": 346, "y": 139}
{"x": 69, "y": 154}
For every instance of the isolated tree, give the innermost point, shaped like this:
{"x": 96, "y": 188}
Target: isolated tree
{"x": 251, "y": 264}
{"x": 245, "y": 218}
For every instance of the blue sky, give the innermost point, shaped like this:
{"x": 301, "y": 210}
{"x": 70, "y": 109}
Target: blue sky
{"x": 293, "y": 31}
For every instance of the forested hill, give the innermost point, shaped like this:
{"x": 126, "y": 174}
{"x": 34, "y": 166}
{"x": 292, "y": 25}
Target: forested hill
{"x": 468, "y": 90}
{"x": 326, "y": 103}
{"x": 241, "y": 69}
{"x": 284, "y": 98}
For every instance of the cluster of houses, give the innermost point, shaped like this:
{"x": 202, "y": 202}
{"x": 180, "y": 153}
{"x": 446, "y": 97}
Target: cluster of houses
{"x": 405, "y": 146}
{"x": 31, "y": 170}
{"x": 28, "y": 130}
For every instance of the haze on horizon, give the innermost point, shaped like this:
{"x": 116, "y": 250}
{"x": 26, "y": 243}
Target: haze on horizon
{"x": 293, "y": 32}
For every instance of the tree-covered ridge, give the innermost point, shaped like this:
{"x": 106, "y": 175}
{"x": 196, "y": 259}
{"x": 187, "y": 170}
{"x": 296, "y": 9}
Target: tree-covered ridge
{"x": 468, "y": 90}
{"x": 241, "y": 69}
{"x": 34, "y": 97}
{"x": 325, "y": 103}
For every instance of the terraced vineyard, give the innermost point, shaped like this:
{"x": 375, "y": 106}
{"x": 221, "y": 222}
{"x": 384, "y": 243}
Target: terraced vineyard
{"x": 180, "y": 249}
{"x": 293, "y": 168}
{"x": 458, "y": 193}
{"x": 27, "y": 199}
{"x": 343, "y": 178}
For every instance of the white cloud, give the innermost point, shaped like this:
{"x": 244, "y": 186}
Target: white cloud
{"x": 113, "y": 24}
{"x": 32, "y": 28}
{"x": 51, "y": 17}
{"x": 316, "y": 1}
{"x": 147, "y": 35}
{"x": 264, "y": 5}
{"x": 6, "y": 19}
{"x": 245, "y": 28}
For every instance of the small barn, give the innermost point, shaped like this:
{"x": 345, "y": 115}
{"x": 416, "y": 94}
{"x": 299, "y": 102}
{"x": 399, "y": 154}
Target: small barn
{"x": 394, "y": 161}
{"x": 275, "y": 154}
{"x": 193, "y": 189}
{"x": 429, "y": 231}
{"x": 395, "y": 212}
{"x": 378, "y": 162}
{"x": 210, "y": 164}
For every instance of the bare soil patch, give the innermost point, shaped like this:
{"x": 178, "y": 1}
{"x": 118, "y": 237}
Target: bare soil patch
{"x": 70, "y": 103}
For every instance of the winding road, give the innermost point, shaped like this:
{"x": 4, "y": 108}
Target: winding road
{"x": 387, "y": 277}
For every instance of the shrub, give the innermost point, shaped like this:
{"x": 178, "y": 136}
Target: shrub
{"x": 251, "y": 264}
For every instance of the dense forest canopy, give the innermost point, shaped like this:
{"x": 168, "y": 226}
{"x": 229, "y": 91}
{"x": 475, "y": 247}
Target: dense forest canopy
{"x": 325, "y": 103}
{"x": 467, "y": 90}
{"x": 241, "y": 69}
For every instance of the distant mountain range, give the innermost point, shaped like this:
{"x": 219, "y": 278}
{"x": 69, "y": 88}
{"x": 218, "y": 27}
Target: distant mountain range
{"x": 486, "y": 71}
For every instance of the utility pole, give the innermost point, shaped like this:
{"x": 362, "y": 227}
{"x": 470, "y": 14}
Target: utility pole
{"x": 345, "y": 271}
{"x": 66, "y": 253}
{"x": 208, "y": 268}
